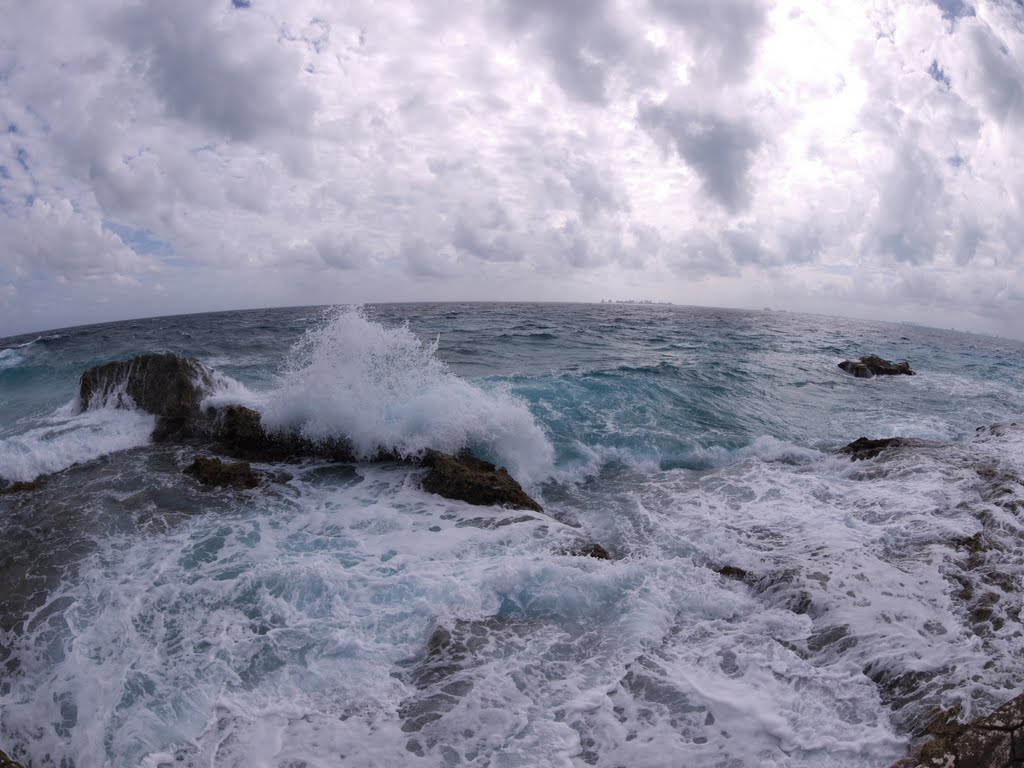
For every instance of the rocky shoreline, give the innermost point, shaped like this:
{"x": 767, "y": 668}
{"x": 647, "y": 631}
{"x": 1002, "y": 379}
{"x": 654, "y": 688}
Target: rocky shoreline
{"x": 173, "y": 389}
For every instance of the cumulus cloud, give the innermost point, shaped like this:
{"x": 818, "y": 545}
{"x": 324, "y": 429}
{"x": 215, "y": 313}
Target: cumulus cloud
{"x": 276, "y": 152}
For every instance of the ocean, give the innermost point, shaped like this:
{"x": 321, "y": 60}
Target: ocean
{"x": 770, "y": 602}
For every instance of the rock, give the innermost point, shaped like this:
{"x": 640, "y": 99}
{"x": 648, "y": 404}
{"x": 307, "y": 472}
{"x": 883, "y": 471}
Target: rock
{"x": 731, "y": 572}
{"x": 467, "y": 478}
{"x": 239, "y": 431}
{"x": 168, "y": 386}
{"x": 212, "y": 471}
{"x": 872, "y": 365}
{"x": 862, "y": 448}
{"x": 6, "y": 762}
{"x": 21, "y": 487}
{"x": 589, "y": 549}
{"x": 995, "y": 741}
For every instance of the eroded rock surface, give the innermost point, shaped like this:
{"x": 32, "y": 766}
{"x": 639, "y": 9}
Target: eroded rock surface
{"x": 995, "y": 741}
{"x": 873, "y": 365}
{"x": 467, "y": 478}
{"x": 168, "y": 386}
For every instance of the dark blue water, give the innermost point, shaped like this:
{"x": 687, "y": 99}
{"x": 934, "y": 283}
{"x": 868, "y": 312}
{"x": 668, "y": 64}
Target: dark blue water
{"x": 153, "y": 622}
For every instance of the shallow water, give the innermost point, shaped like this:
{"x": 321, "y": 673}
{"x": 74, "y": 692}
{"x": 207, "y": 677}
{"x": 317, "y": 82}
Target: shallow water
{"x": 771, "y": 602}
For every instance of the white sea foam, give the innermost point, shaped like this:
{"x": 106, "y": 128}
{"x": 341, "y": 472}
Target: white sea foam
{"x": 10, "y": 358}
{"x": 67, "y": 438}
{"x": 384, "y": 387}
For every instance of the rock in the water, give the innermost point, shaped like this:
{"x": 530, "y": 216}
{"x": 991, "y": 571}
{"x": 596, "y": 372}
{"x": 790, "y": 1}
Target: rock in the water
{"x": 589, "y": 549}
{"x": 6, "y": 762}
{"x": 212, "y": 471}
{"x": 995, "y": 741}
{"x": 872, "y": 365}
{"x": 467, "y": 478}
{"x": 862, "y": 448}
{"x": 240, "y": 432}
{"x": 20, "y": 487}
{"x": 168, "y": 386}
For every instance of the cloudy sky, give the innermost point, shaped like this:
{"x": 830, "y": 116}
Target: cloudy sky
{"x": 856, "y": 158}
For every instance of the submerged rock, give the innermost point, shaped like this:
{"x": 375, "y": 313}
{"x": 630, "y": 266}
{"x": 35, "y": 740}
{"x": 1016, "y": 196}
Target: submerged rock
{"x": 863, "y": 448}
{"x": 21, "y": 487}
{"x": 213, "y": 471}
{"x": 873, "y": 365}
{"x": 467, "y": 478}
{"x": 168, "y": 386}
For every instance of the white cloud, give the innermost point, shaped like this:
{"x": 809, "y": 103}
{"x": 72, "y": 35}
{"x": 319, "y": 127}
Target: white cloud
{"x": 748, "y": 151}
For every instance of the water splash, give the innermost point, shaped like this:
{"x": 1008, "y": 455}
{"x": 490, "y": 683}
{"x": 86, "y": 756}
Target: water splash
{"x": 384, "y": 387}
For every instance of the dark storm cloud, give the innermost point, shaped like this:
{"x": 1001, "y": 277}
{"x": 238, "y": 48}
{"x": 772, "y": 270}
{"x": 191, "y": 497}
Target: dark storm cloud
{"x": 720, "y": 150}
{"x": 203, "y": 68}
{"x": 724, "y": 33}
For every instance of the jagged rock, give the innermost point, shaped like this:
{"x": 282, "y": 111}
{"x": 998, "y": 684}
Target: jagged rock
{"x": 212, "y": 471}
{"x": 467, "y": 478}
{"x": 873, "y": 365}
{"x": 863, "y": 448}
{"x": 995, "y": 741}
{"x": 21, "y": 487}
{"x": 168, "y": 386}
{"x": 6, "y": 762}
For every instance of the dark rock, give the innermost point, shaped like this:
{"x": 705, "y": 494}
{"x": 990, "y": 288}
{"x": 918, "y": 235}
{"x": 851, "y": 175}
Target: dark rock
{"x": 862, "y": 448}
{"x": 994, "y": 741}
{"x": 168, "y": 386}
{"x": 21, "y": 487}
{"x": 589, "y": 549}
{"x": 6, "y": 762}
{"x": 239, "y": 431}
{"x": 872, "y": 365}
{"x": 467, "y": 478}
{"x": 731, "y": 572}
{"x": 212, "y": 471}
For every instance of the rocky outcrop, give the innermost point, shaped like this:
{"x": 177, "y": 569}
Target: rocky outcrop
{"x": 995, "y": 741}
{"x": 239, "y": 432}
{"x": 863, "y": 448}
{"x": 214, "y": 472}
{"x": 6, "y": 762}
{"x": 872, "y": 365}
{"x": 466, "y": 478}
{"x": 168, "y": 386}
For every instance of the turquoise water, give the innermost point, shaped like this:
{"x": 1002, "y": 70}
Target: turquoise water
{"x": 151, "y": 622}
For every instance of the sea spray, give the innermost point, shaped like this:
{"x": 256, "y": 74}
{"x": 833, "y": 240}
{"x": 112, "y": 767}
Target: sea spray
{"x": 385, "y": 388}
{"x": 68, "y": 438}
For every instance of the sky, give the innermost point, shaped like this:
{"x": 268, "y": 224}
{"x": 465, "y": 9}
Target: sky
{"x": 853, "y": 158}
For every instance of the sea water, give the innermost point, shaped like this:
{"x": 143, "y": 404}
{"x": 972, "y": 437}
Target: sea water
{"x": 770, "y": 601}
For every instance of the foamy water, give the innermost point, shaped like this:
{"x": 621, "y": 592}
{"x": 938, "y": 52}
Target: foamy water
{"x": 771, "y": 603}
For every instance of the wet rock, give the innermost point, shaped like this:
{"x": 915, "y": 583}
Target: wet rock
{"x": 21, "y": 487}
{"x": 168, "y": 386}
{"x": 7, "y": 762}
{"x": 589, "y": 549}
{"x": 863, "y": 448}
{"x": 995, "y": 741}
{"x": 467, "y": 478}
{"x": 731, "y": 572}
{"x": 213, "y": 471}
{"x": 239, "y": 432}
{"x": 872, "y": 365}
